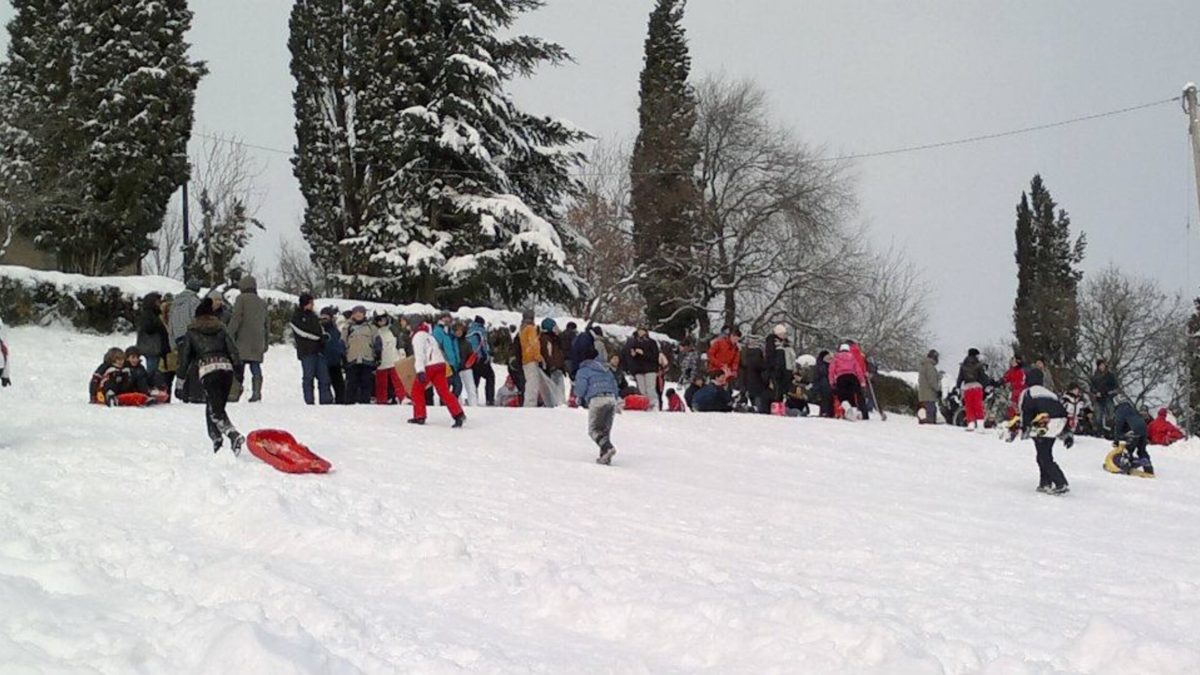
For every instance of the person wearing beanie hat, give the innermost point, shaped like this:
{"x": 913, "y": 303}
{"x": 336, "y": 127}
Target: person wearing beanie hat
{"x": 209, "y": 351}
{"x": 359, "y": 337}
{"x": 1043, "y": 417}
{"x": 777, "y": 365}
{"x": 430, "y": 365}
{"x": 309, "y": 339}
{"x": 973, "y": 378}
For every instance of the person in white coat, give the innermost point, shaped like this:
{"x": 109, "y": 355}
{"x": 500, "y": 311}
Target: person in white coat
{"x": 430, "y": 365}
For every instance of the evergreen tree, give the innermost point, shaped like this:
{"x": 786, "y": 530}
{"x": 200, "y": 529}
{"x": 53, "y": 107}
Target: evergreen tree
{"x": 664, "y": 193}
{"x": 96, "y": 130}
{"x": 423, "y": 179}
{"x": 1046, "y": 311}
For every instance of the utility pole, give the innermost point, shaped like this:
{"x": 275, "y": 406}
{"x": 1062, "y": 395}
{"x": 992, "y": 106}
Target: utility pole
{"x": 187, "y": 239}
{"x": 1193, "y": 112}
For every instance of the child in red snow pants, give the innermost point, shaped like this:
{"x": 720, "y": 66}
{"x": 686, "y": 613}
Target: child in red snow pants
{"x": 973, "y": 404}
{"x": 382, "y": 377}
{"x": 436, "y": 375}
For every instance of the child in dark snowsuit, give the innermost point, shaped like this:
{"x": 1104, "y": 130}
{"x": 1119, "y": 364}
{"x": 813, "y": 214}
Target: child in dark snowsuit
{"x": 1044, "y": 418}
{"x": 1130, "y": 428}
{"x": 596, "y": 390}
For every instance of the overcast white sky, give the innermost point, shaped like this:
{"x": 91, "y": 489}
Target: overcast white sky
{"x": 855, "y": 77}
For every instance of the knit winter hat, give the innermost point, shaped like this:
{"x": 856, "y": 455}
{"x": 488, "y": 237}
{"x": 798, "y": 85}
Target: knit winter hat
{"x": 780, "y": 330}
{"x": 306, "y": 299}
{"x": 358, "y": 308}
{"x": 972, "y": 352}
{"x": 205, "y": 308}
{"x": 548, "y": 325}
{"x": 1034, "y": 378}
{"x": 216, "y": 295}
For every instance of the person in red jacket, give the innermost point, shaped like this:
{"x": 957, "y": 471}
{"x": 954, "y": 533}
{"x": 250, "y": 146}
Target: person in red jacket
{"x": 724, "y": 355}
{"x": 1160, "y": 431}
{"x": 1014, "y": 377}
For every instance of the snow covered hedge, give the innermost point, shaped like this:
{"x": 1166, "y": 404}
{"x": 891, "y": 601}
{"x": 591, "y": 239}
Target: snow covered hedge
{"x": 109, "y": 305}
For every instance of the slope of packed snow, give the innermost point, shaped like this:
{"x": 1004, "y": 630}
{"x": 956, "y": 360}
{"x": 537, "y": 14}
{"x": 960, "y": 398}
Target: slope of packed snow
{"x": 715, "y": 542}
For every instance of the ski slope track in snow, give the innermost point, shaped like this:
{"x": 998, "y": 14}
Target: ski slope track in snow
{"x": 715, "y": 543}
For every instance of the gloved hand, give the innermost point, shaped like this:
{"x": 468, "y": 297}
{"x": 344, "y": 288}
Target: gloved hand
{"x": 1068, "y": 440}
{"x": 423, "y": 379}
{"x": 6, "y": 382}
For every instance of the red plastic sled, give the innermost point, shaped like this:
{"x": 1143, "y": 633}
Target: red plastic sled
{"x": 282, "y": 451}
{"x": 637, "y": 402}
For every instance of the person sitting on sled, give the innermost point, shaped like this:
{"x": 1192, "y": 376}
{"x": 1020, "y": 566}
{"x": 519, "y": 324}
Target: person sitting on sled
{"x": 108, "y": 380}
{"x": 137, "y": 380}
{"x": 1129, "y": 430}
{"x": 1043, "y": 417}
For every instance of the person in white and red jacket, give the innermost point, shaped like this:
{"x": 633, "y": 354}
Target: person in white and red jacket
{"x": 431, "y": 369}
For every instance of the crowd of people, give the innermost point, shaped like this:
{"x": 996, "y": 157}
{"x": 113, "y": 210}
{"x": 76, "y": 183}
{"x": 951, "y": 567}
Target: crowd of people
{"x": 199, "y": 348}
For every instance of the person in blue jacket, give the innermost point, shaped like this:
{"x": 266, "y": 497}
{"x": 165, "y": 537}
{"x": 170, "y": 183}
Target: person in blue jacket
{"x": 335, "y": 354}
{"x": 449, "y": 343}
{"x": 713, "y": 397}
{"x": 596, "y": 390}
{"x": 477, "y": 337}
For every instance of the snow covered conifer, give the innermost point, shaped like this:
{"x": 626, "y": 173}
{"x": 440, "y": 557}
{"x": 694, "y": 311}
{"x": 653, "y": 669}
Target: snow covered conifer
{"x": 664, "y": 192}
{"x": 101, "y": 113}
{"x": 1046, "y": 312}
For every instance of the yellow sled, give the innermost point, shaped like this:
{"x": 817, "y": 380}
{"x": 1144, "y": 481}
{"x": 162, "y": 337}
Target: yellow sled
{"x": 1111, "y": 465}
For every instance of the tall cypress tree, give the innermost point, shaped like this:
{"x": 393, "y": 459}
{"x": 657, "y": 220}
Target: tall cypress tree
{"x": 1046, "y": 311}
{"x": 96, "y": 132}
{"x": 664, "y": 193}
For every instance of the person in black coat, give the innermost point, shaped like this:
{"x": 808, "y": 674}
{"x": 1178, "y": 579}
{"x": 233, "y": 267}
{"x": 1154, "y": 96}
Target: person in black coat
{"x": 152, "y": 339}
{"x": 640, "y": 359}
{"x": 310, "y": 339}
{"x": 821, "y": 392}
{"x": 209, "y": 348}
{"x": 756, "y": 379}
{"x": 1129, "y": 426}
{"x": 779, "y": 372}
{"x": 714, "y": 397}
{"x": 567, "y": 344}
{"x": 1044, "y": 417}
{"x": 137, "y": 379}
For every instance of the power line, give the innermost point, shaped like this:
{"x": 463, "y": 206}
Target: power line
{"x": 841, "y": 158}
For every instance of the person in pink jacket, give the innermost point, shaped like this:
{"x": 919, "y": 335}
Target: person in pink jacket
{"x": 847, "y": 377}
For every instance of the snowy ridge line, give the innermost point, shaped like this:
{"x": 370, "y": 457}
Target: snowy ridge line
{"x": 138, "y": 286}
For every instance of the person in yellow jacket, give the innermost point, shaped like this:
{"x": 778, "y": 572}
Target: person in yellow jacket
{"x": 531, "y": 362}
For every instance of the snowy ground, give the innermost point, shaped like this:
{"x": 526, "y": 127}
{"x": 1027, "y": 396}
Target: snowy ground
{"x": 719, "y": 543}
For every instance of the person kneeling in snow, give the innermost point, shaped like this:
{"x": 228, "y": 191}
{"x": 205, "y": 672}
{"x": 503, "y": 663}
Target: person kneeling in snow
{"x": 596, "y": 390}
{"x": 509, "y": 395}
{"x": 1044, "y": 418}
{"x": 1129, "y": 427}
{"x": 1161, "y": 431}
{"x": 208, "y": 346}
{"x": 714, "y": 397}
{"x": 431, "y": 369}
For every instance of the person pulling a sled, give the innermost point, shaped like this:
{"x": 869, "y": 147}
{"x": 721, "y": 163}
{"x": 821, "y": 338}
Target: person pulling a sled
{"x": 596, "y": 390}
{"x": 208, "y": 347}
{"x": 1129, "y": 455}
{"x": 1043, "y": 417}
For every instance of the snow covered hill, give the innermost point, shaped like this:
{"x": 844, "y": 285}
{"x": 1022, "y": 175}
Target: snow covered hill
{"x": 719, "y": 543}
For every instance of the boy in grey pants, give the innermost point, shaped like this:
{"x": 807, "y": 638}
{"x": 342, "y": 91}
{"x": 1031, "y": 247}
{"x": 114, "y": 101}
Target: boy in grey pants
{"x": 596, "y": 390}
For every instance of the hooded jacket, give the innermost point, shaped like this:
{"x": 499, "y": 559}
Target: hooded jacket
{"x": 973, "y": 371}
{"x": 929, "y": 384}
{"x": 208, "y": 345}
{"x": 183, "y": 310}
{"x": 1161, "y": 431}
{"x": 712, "y": 398}
{"x": 359, "y": 337}
{"x": 531, "y": 347}
{"x": 478, "y": 338}
{"x": 846, "y": 363}
{"x": 249, "y": 321}
{"x": 307, "y": 332}
{"x": 449, "y": 346}
{"x": 594, "y": 379}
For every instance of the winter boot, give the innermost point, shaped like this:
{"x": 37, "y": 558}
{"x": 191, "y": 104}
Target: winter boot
{"x": 1045, "y": 489}
{"x": 235, "y": 391}
{"x": 418, "y": 421}
{"x": 459, "y": 419}
{"x": 217, "y": 444}
{"x": 235, "y": 442}
{"x": 256, "y": 391}
{"x": 1060, "y": 489}
{"x": 606, "y": 456}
